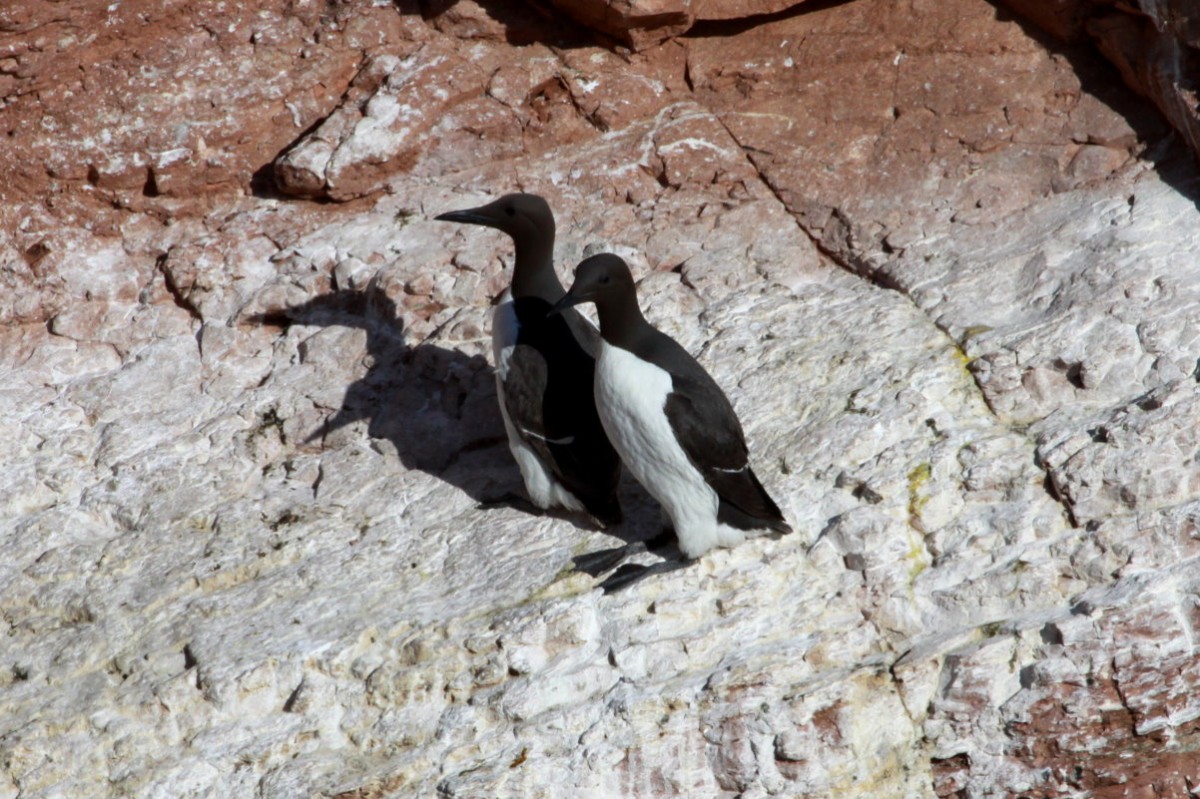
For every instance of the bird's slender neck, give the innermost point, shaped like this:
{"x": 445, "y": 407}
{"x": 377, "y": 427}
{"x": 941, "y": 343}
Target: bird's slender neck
{"x": 621, "y": 321}
{"x": 533, "y": 268}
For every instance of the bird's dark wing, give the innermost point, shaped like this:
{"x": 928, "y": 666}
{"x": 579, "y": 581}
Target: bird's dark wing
{"x": 548, "y": 396}
{"x": 523, "y": 390}
{"x": 710, "y": 434}
{"x": 585, "y": 333}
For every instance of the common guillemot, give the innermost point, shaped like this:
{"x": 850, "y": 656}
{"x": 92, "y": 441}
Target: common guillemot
{"x": 674, "y": 428}
{"x": 544, "y": 370}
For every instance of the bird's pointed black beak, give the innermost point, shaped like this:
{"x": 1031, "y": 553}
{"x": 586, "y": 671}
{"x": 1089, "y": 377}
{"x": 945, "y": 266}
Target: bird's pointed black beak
{"x": 566, "y": 302}
{"x": 470, "y": 216}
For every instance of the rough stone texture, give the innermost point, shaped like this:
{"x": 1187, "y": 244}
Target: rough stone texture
{"x": 143, "y": 97}
{"x": 643, "y": 23}
{"x": 946, "y": 276}
{"x": 1156, "y": 46}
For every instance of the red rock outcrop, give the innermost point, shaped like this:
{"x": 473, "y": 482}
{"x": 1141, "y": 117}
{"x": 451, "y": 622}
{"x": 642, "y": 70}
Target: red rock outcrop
{"x": 152, "y": 98}
{"x": 644, "y": 23}
{"x": 1156, "y": 45}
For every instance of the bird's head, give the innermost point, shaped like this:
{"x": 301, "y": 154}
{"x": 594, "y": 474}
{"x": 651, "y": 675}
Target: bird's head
{"x": 519, "y": 215}
{"x": 604, "y": 279}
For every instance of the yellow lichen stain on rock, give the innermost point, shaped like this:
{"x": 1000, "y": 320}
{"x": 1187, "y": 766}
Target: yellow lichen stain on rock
{"x": 973, "y": 331}
{"x": 917, "y": 478}
{"x": 917, "y": 555}
{"x": 566, "y": 583}
{"x": 201, "y": 523}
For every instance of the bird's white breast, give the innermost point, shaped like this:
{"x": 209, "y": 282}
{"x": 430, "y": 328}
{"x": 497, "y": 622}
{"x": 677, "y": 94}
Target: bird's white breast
{"x": 504, "y": 333}
{"x": 631, "y": 395}
{"x": 544, "y": 490}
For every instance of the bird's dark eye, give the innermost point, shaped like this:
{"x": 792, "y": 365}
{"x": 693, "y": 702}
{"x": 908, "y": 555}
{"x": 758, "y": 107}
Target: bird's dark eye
{"x": 604, "y": 280}
{"x": 510, "y": 210}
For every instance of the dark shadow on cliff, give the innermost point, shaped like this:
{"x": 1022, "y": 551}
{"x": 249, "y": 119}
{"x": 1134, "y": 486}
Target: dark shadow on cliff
{"x": 437, "y": 407}
{"x": 732, "y": 27}
{"x": 529, "y": 22}
{"x": 523, "y": 22}
{"x": 1159, "y": 143}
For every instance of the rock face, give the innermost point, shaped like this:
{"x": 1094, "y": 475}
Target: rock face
{"x": 947, "y": 278}
{"x": 151, "y": 98}
{"x": 643, "y": 23}
{"x": 1156, "y": 46}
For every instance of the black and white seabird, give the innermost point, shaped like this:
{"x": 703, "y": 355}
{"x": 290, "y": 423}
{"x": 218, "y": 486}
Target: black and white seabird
{"x": 544, "y": 370}
{"x": 672, "y": 425}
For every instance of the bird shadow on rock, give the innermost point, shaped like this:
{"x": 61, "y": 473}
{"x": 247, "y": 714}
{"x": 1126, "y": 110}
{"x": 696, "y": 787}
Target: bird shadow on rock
{"x": 437, "y": 406}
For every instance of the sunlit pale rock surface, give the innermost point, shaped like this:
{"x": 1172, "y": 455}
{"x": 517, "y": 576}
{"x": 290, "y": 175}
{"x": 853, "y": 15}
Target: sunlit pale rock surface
{"x": 947, "y": 278}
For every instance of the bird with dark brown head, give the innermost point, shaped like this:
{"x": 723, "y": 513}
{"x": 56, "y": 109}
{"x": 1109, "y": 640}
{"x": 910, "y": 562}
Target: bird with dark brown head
{"x": 544, "y": 370}
{"x": 672, "y": 425}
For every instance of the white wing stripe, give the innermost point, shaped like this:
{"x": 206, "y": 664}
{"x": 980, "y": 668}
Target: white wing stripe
{"x": 563, "y": 441}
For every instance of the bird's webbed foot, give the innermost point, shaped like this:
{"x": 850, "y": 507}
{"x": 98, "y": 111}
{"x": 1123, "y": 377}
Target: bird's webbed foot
{"x": 631, "y": 573}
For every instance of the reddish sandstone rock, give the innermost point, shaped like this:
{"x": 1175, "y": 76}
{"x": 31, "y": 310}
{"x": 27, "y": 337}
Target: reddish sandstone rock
{"x": 436, "y": 110}
{"x": 1156, "y": 46}
{"x": 1158, "y": 53}
{"x": 1106, "y": 708}
{"x": 912, "y": 122}
{"x": 644, "y": 23}
{"x": 1064, "y": 19}
{"x": 147, "y": 98}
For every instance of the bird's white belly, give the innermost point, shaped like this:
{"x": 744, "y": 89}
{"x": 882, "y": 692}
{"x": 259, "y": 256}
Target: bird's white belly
{"x": 544, "y": 490}
{"x": 631, "y": 395}
{"x": 504, "y": 334}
